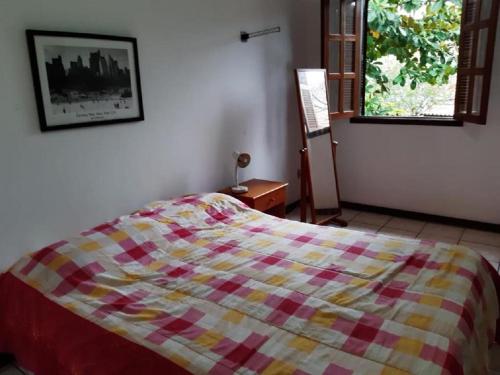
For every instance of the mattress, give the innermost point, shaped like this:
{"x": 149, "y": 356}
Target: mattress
{"x": 205, "y": 285}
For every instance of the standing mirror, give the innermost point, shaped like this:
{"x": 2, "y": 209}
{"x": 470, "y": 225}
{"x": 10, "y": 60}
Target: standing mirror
{"x": 319, "y": 183}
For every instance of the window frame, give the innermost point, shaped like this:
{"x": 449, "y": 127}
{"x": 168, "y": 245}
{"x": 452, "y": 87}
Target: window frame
{"x": 473, "y": 71}
{"x": 390, "y": 120}
{"x": 360, "y": 72}
{"x": 342, "y": 37}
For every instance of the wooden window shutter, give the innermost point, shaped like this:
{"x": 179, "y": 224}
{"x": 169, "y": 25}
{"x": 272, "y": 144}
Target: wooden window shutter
{"x": 477, "y": 44}
{"x": 341, "y": 51}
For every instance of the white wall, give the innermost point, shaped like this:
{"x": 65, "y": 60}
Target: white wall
{"x": 205, "y": 94}
{"x": 449, "y": 171}
{"x": 438, "y": 170}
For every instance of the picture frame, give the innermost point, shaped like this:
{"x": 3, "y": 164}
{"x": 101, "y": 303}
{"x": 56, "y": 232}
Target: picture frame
{"x": 83, "y": 80}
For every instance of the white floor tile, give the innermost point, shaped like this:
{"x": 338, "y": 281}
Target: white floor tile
{"x": 482, "y": 237}
{"x": 363, "y": 227}
{"x": 405, "y": 224}
{"x": 348, "y": 214}
{"x": 492, "y": 253}
{"x": 434, "y": 231}
{"x": 397, "y": 232}
{"x": 438, "y": 237}
{"x": 371, "y": 218}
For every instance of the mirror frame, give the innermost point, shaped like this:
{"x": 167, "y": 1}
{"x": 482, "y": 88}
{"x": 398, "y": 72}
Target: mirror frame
{"x": 307, "y": 193}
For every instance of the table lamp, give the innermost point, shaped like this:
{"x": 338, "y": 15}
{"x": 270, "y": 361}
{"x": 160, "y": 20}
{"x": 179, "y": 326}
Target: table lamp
{"x": 242, "y": 161}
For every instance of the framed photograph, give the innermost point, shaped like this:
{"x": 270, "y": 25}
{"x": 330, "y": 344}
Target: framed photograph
{"x": 84, "y": 79}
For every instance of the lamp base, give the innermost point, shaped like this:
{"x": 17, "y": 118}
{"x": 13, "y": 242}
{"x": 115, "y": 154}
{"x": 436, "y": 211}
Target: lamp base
{"x": 239, "y": 189}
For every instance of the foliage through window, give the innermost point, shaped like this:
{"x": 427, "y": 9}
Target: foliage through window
{"x": 411, "y": 57}
{"x": 421, "y": 59}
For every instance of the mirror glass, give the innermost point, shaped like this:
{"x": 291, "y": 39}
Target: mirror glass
{"x": 317, "y": 137}
{"x": 323, "y": 179}
{"x": 313, "y": 95}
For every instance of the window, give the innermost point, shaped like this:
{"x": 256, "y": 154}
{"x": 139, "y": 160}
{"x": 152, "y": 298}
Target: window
{"x": 341, "y": 55}
{"x": 458, "y": 42}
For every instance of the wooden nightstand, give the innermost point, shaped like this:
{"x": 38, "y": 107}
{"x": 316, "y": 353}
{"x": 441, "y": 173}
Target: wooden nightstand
{"x": 263, "y": 195}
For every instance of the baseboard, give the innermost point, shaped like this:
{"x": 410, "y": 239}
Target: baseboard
{"x": 423, "y": 217}
{"x": 292, "y": 206}
{"x": 472, "y": 224}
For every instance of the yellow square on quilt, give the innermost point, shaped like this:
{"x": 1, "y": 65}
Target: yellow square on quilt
{"x": 342, "y": 233}
{"x": 209, "y": 339}
{"x": 147, "y": 315}
{"x": 360, "y": 283}
{"x": 34, "y": 283}
{"x": 233, "y": 316}
{"x": 324, "y": 318}
{"x": 297, "y": 267}
{"x": 185, "y": 214}
{"x": 203, "y": 206}
{"x": 372, "y": 270}
{"x": 279, "y": 368}
{"x": 314, "y": 255}
{"x": 99, "y": 292}
{"x": 202, "y": 279}
{"x": 439, "y": 283}
{"x": 179, "y": 253}
{"x": 176, "y": 296}
{"x": 165, "y": 220}
{"x": 71, "y": 306}
{"x": 389, "y": 257}
{"x": 90, "y": 246}
{"x": 419, "y": 321}
{"x": 257, "y": 296}
{"x": 142, "y": 226}
{"x": 409, "y": 346}
{"x": 456, "y": 252}
{"x": 201, "y": 243}
{"x": 132, "y": 277}
{"x": 277, "y": 280}
{"x": 449, "y": 267}
{"x": 218, "y": 233}
{"x": 393, "y": 371}
{"x": 262, "y": 243}
{"x": 328, "y": 243}
{"x": 118, "y": 236}
{"x": 428, "y": 299}
{"x": 341, "y": 299}
{"x": 244, "y": 254}
{"x": 156, "y": 265}
{"x": 223, "y": 266}
{"x": 120, "y": 331}
{"x": 303, "y": 344}
{"x": 179, "y": 361}
{"x": 57, "y": 262}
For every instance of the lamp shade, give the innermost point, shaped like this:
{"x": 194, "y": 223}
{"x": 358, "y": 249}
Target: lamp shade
{"x": 242, "y": 161}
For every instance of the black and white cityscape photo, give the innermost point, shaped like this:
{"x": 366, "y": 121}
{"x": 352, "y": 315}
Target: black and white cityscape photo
{"x": 83, "y": 79}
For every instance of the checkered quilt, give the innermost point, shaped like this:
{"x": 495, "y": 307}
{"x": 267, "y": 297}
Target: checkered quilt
{"x": 217, "y": 288}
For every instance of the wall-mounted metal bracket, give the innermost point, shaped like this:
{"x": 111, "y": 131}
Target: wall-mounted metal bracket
{"x": 245, "y": 36}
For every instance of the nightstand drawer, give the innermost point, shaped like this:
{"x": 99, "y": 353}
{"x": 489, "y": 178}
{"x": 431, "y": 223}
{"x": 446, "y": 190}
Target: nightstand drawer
{"x": 270, "y": 200}
{"x": 263, "y": 195}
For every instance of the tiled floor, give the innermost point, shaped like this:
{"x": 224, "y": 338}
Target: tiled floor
{"x": 487, "y": 243}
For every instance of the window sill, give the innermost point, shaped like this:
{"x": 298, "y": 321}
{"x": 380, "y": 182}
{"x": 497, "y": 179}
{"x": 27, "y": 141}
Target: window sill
{"x": 386, "y": 120}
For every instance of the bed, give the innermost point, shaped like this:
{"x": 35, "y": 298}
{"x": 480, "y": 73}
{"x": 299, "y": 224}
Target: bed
{"x": 205, "y": 285}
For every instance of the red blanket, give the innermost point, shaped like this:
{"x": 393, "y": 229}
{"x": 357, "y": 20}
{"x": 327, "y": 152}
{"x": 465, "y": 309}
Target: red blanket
{"x": 50, "y": 340}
